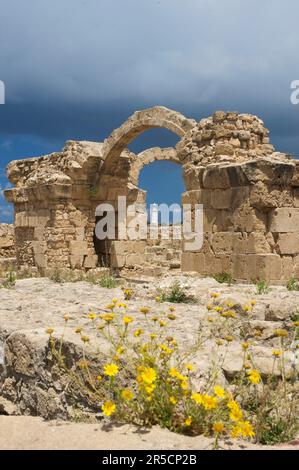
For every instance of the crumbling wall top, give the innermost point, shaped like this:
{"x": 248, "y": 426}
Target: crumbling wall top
{"x": 227, "y": 137}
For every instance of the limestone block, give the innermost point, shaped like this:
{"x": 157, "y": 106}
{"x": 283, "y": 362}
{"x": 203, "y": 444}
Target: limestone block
{"x": 213, "y": 264}
{"x": 193, "y": 262}
{"x": 128, "y": 246}
{"x": 39, "y": 247}
{"x": 239, "y": 266}
{"x": 217, "y": 220}
{"x": 266, "y": 267}
{"x": 201, "y": 196}
{"x": 288, "y": 243}
{"x": 117, "y": 260}
{"x": 284, "y": 220}
{"x": 39, "y": 233}
{"x": 133, "y": 260}
{"x": 40, "y": 260}
{"x": 248, "y": 219}
{"x": 91, "y": 261}
{"x": 222, "y": 242}
{"x": 257, "y": 242}
{"x": 216, "y": 178}
{"x": 78, "y": 247}
{"x": 221, "y": 198}
{"x": 287, "y": 267}
{"x": 77, "y": 260}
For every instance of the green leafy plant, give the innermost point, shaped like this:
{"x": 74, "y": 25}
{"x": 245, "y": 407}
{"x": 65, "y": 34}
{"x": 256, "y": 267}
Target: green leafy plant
{"x": 109, "y": 282}
{"x": 292, "y": 284}
{"x": 261, "y": 287}
{"x": 176, "y": 294}
{"x": 10, "y": 280}
{"x": 224, "y": 278}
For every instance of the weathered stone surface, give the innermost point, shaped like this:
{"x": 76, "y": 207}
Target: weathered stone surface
{"x": 31, "y": 383}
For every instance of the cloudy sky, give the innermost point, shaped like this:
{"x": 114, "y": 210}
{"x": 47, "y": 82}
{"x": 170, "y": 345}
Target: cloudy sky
{"x": 75, "y": 69}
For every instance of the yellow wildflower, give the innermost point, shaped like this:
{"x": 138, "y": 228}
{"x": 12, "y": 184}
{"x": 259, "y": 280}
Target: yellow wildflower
{"x": 128, "y": 320}
{"x": 209, "y": 307}
{"x": 219, "y": 392}
{"x": 110, "y": 306}
{"x": 162, "y": 323}
{"x": 171, "y": 316}
{"x": 66, "y": 318}
{"x": 254, "y": 376}
{"x": 144, "y": 310}
{"x": 153, "y": 336}
{"x": 122, "y": 305}
{"x": 85, "y": 339}
{"x": 236, "y": 413}
{"x": 165, "y": 349}
{"x": 138, "y": 332}
{"x": 229, "y": 314}
{"x": 108, "y": 408}
{"x": 50, "y": 331}
{"x": 276, "y": 353}
{"x": 92, "y": 316}
{"x": 215, "y": 295}
{"x": 209, "y": 402}
{"x": 173, "y": 372}
{"x": 243, "y": 428}
{"x": 158, "y": 298}
{"x": 218, "y": 309}
{"x": 150, "y": 388}
{"x": 127, "y": 394}
{"x": 149, "y": 375}
{"x": 173, "y": 400}
{"x": 229, "y": 338}
{"x": 78, "y": 330}
{"x": 245, "y": 346}
{"x": 111, "y": 370}
{"x": 247, "y": 308}
{"x": 184, "y": 385}
{"x": 107, "y": 317}
{"x": 99, "y": 378}
{"x": 281, "y": 333}
{"x": 114, "y": 300}
{"x": 189, "y": 367}
{"x": 197, "y": 397}
{"x": 188, "y": 421}
{"x": 218, "y": 427}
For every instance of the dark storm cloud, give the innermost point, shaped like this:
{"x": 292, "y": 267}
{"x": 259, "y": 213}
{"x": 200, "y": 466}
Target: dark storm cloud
{"x": 75, "y": 68}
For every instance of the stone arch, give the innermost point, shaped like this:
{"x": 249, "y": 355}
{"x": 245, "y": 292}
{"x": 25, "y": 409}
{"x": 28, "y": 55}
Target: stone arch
{"x": 139, "y": 122}
{"x": 148, "y": 156}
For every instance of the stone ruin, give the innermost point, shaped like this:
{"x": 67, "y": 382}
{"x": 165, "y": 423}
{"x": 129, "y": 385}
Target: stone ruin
{"x": 250, "y": 195}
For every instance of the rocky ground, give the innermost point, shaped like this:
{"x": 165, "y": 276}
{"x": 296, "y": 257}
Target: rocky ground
{"x": 29, "y": 433}
{"x": 31, "y": 385}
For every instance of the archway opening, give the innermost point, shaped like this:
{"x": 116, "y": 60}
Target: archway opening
{"x": 164, "y": 184}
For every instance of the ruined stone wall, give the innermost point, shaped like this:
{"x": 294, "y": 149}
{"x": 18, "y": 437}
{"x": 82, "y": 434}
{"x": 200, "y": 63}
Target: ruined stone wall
{"x": 7, "y": 242}
{"x": 249, "y": 191}
{"x": 251, "y": 222}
